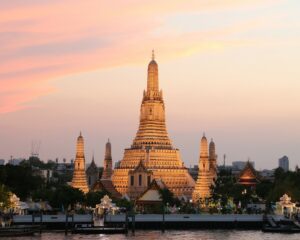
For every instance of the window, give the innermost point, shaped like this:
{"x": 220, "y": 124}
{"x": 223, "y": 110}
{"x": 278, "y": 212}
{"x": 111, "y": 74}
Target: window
{"x": 140, "y": 180}
{"x": 90, "y": 180}
{"x": 131, "y": 180}
{"x": 148, "y": 180}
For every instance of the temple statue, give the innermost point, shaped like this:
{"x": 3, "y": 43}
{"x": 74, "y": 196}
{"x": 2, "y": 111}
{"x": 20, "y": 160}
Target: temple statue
{"x": 207, "y": 170}
{"x": 152, "y": 146}
{"x": 79, "y": 177}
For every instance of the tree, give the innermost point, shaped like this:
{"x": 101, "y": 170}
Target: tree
{"x": 93, "y": 198}
{"x": 4, "y": 197}
{"x": 65, "y": 196}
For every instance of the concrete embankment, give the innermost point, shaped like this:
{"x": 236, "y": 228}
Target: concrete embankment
{"x": 57, "y": 222}
{"x": 187, "y": 221}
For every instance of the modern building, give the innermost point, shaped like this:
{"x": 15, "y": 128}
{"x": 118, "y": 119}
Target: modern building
{"x": 152, "y": 146}
{"x": 2, "y": 162}
{"x": 207, "y": 170}
{"x": 15, "y": 161}
{"x": 284, "y": 163}
{"x": 79, "y": 176}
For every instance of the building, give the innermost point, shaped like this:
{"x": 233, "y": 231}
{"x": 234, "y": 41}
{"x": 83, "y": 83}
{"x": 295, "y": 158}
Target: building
{"x": 248, "y": 176}
{"x": 2, "y": 162}
{"x": 92, "y": 173}
{"x": 15, "y": 161}
{"x": 284, "y": 163}
{"x": 107, "y": 164}
{"x": 207, "y": 170}
{"x": 105, "y": 183}
{"x": 79, "y": 176}
{"x": 151, "y": 198}
{"x": 152, "y": 145}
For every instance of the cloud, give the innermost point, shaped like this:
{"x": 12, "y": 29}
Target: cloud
{"x": 43, "y": 40}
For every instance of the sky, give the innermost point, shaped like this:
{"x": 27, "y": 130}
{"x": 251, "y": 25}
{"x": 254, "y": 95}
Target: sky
{"x": 227, "y": 68}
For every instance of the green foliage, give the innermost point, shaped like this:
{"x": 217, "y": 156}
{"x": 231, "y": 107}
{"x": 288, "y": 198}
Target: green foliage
{"x": 4, "y": 197}
{"x": 285, "y": 182}
{"x": 66, "y": 195}
{"x": 93, "y": 198}
{"x": 20, "y": 180}
{"x": 167, "y": 197}
{"x": 124, "y": 203}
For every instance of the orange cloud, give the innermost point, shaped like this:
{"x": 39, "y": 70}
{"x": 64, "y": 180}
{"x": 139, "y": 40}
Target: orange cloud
{"x": 50, "y": 39}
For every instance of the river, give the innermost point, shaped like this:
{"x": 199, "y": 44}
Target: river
{"x": 174, "y": 235}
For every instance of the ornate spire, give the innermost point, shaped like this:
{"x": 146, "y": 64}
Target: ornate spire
{"x": 79, "y": 176}
{"x": 153, "y": 55}
{"x": 80, "y": 146}
{"x": 152, "y": 83}
{"x": 203, "y": 147}
{"x": 107, "y": 164}
{"x": 212, "y": 150}
{"x": 108, "y": 150}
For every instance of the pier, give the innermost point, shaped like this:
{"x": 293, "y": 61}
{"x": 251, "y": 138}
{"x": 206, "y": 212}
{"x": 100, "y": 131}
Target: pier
{"x": 186, "y": 221}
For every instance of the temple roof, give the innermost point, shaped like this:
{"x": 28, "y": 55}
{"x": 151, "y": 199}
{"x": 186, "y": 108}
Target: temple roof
{"x": 106, "y": 185}
{"x": 152, "y": 192}
{"x": 140, "y": 168}
{"x": 248, "y": 175}
{"x": 92, "y": 168}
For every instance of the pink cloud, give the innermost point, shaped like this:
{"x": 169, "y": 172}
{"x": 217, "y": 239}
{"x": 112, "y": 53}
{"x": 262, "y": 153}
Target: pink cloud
{"x": 50, "y": 39}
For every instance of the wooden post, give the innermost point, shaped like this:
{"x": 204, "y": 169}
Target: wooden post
{"x": 133, "y": 224}
{"x": 163, "y": 220}
{"x": 41, "y": 222}
{"x": 126, "y": 222}
{"x": 66, "y": 225}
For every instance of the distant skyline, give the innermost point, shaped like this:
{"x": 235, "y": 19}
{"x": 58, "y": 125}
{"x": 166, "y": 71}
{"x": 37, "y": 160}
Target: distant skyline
{"x": 226, "y": 68}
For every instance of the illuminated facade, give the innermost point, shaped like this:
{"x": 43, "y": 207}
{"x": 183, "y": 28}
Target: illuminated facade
{"x": 207, "y": 170}
{"x": 248, "y": 177}
{"x": 152, "y": 147}
{"x": 79, "y": 176}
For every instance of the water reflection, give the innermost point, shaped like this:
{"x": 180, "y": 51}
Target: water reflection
{"x": 174, "y": 235}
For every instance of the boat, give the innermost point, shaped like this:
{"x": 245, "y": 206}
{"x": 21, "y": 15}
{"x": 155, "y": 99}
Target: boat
{"x": 282, "y": 226}
{"x": 16, "y": 231}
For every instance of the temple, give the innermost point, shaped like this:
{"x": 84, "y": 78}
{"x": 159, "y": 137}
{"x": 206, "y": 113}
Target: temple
{"x": 248, "y": 176}
{"x": 105, "y": 183}
{"x": 207, "y": 171}
{"x": 151, "y": 154}
{"x": 92, "y": 173}
{"x": 79, "y": 177}
{"x": 107, "y": 164}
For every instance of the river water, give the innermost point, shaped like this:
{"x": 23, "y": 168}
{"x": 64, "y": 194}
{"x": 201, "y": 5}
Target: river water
{"x": 176, "y": 235}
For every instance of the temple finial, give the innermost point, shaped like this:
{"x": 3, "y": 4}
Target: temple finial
{"x": 108, "y": 140}
{"x": 153, "y": 55}
{"x": 80, "y": 134}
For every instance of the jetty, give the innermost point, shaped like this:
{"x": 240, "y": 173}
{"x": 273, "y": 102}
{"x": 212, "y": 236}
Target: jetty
{"x": 186, "y": 221}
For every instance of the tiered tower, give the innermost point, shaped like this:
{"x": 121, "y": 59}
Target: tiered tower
{"x": 79, "y": 177}
{"x": 152, "y": 145}
{"x": 107, "y": 166}
{"x": 207, "y": 170}
{"x": 92, "y": 173}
